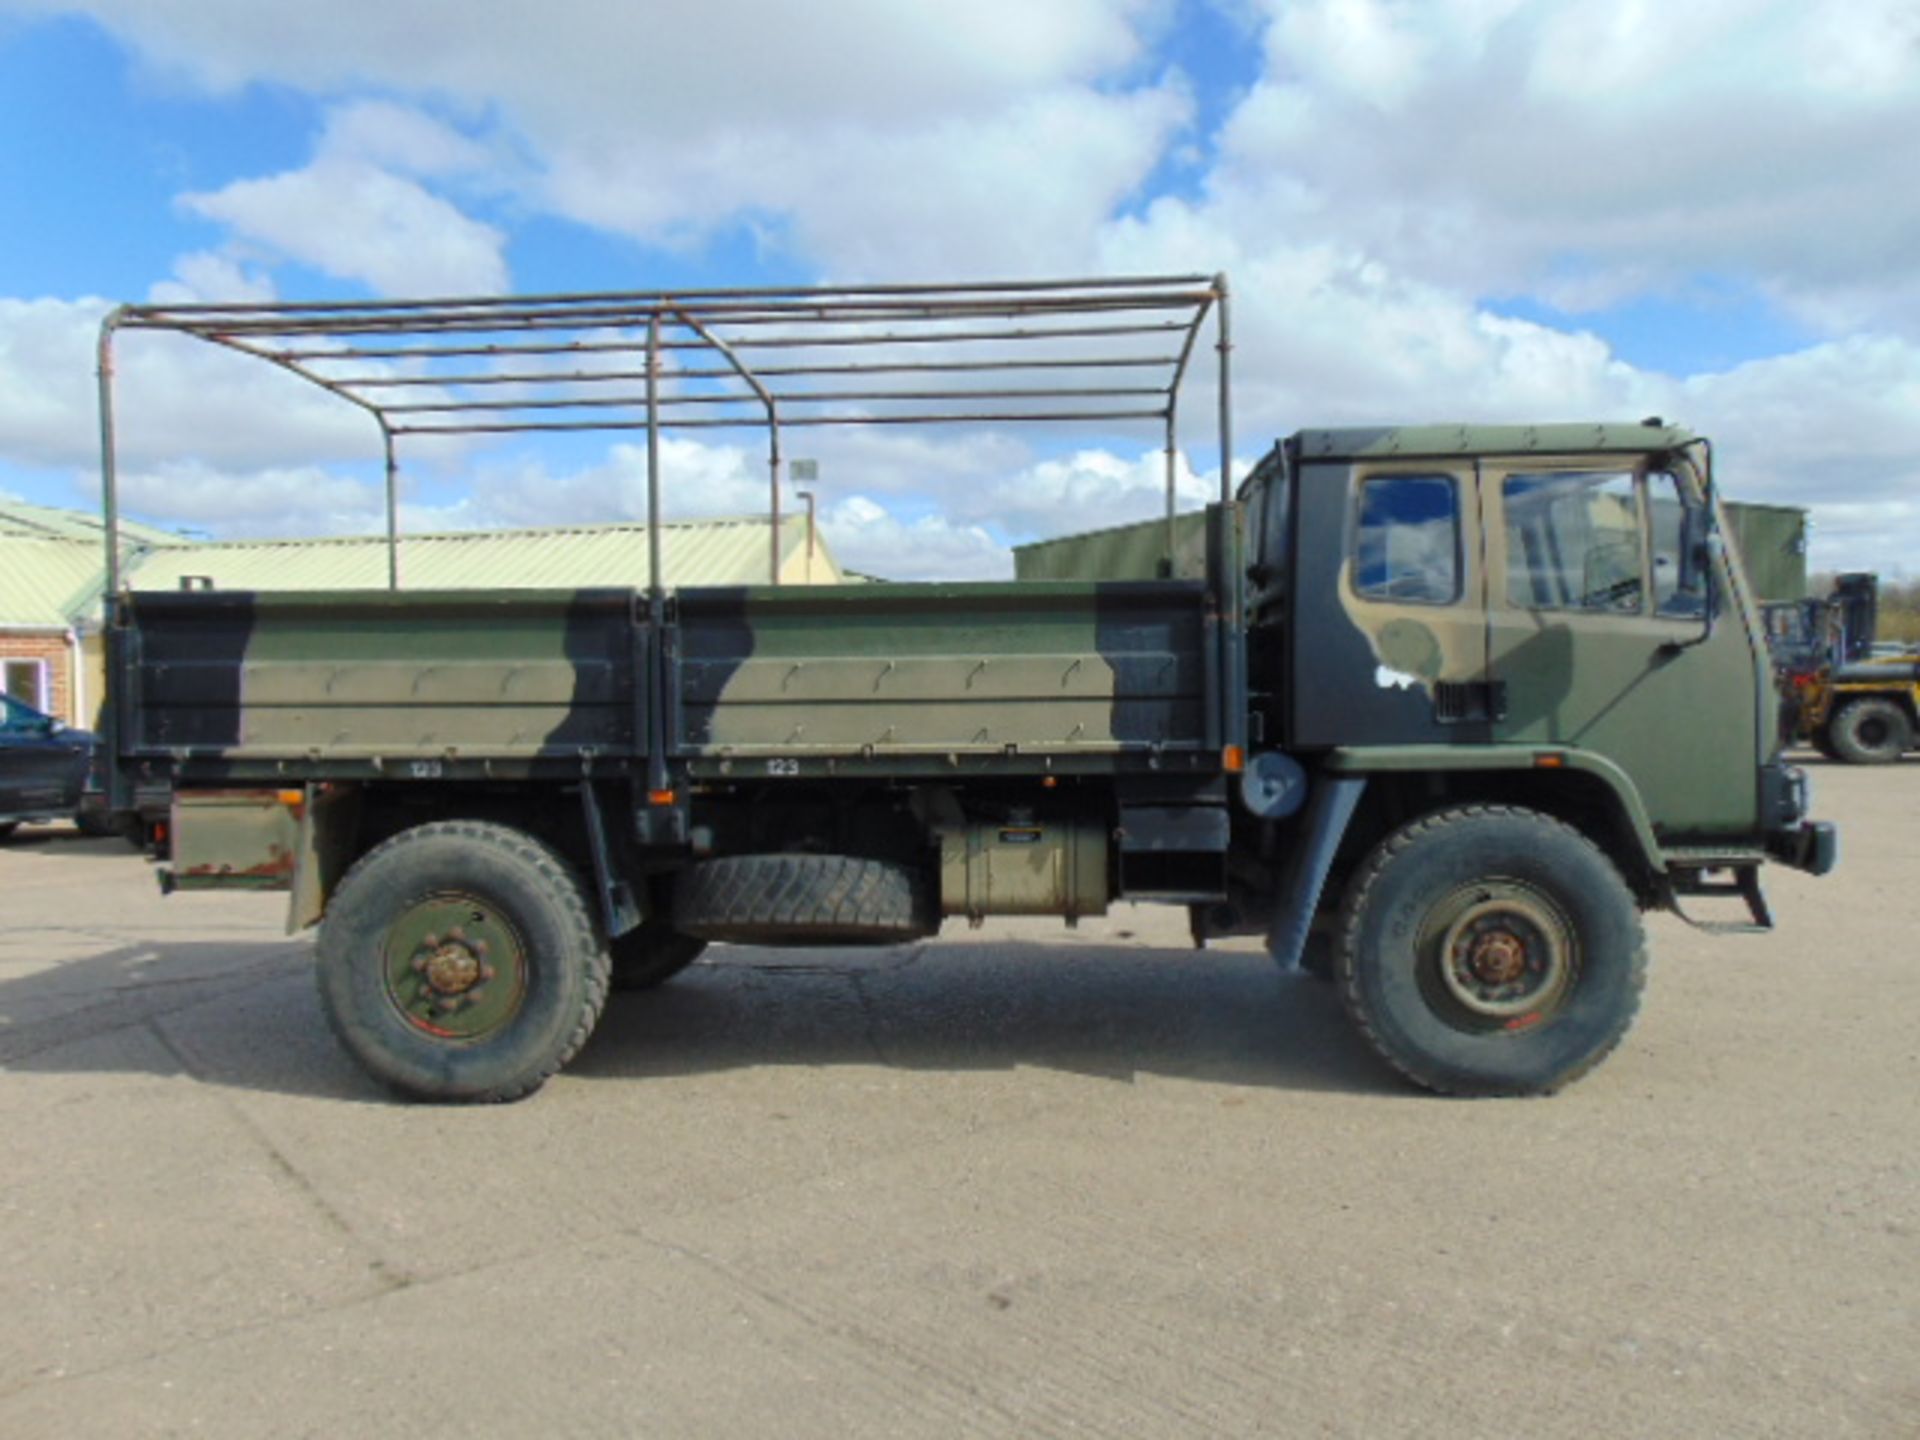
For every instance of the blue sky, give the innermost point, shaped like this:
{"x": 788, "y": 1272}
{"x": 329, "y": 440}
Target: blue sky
{"x": 1513, "y": 209}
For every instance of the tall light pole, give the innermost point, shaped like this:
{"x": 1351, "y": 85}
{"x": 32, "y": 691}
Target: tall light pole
{"x": 808, "y": 470}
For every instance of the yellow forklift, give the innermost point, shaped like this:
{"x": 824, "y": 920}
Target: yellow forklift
{"x": 1844, "y": 696}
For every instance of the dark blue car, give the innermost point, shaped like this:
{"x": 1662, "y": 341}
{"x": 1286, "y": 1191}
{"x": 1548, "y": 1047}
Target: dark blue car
{"x": 45, "y": 769}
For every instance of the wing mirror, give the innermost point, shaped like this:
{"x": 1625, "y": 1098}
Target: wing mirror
{"x": 1704, "y": 553}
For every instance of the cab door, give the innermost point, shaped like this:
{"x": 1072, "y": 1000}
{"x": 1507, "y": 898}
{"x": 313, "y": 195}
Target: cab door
{"x": 1596, "y": 609}
{"x": 1389, "y": 625}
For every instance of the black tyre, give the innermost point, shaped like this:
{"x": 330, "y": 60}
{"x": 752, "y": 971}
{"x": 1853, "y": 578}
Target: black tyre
{"x": 1870, "y": 732}
{"x": 802, "y": 900}
{"x": 460, "y": 961}
{"x": 97, "y": 827}
{"x": 6, "y": 830}
{"x": 652, "y": 954}
{"x": 1491, "y": 951}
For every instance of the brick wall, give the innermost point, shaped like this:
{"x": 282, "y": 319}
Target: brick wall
{"x": 53, "y": 649}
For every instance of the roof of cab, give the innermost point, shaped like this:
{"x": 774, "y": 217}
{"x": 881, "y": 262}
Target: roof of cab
{"x": 1381, "y": 441}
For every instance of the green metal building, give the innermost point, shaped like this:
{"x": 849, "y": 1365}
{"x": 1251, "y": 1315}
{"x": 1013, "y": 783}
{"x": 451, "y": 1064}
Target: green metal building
{"x": 1771, "y": 541}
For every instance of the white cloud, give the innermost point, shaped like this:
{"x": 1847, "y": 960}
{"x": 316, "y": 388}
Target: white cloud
{"x": 871, "y": 540}
{"x": 912, "y": 137}
{"x": 274, "y": 501}
{"x": 211, "y": 275}
{"x": 351, "y": 219}
{"x": 578, "y": 65}
{"x": 1587, "y": 152}
{"x": 175, "y": 397}
{"x": 1015, "y": 191}
{"x": 398, "y": 137}
{"x": 1396, "y": 164}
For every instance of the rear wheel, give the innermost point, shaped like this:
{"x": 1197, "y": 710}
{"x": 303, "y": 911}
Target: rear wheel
{"x": 1870, "y": 732}
{"x": 7, "y": 829}
{"x": 459, "y": 961}
{"x": 1491, "y": 951}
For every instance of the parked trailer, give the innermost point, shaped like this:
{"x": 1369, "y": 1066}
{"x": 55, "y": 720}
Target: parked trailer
{"x": 1458, "y": 703}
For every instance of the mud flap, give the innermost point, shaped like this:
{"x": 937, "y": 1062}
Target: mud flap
{"x": 1329, "y": 809}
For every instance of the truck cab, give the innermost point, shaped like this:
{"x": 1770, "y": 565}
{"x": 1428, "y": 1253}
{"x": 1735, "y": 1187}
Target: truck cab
{"x": 1530, "y": 614}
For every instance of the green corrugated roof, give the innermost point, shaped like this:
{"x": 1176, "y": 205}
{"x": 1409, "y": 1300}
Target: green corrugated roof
{"x": 51, "y": 562}
{"x": 43, "y": 522}
{"x": 43, "y": 580}
{"x": 693, "y": 552}
{"x": 1119, "y": 552}
{"x": 51, "y": 573}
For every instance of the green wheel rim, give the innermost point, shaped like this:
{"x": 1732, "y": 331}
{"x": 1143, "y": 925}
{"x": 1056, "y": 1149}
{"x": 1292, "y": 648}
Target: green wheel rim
{"x": 456, "y": 968}
{"x": 1497, "y": 955}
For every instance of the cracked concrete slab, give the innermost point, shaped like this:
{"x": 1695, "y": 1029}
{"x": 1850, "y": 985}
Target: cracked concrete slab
{"x": 1019, "y": 1181}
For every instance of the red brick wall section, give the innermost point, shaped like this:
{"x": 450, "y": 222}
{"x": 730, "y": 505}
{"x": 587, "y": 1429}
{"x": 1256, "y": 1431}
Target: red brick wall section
{"x": 54, "y": 650}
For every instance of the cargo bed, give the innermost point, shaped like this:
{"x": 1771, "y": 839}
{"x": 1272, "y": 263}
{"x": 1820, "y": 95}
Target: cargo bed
{"x": 510, "y": 684}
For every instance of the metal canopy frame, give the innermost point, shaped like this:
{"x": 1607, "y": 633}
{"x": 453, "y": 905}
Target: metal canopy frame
{"x": 1085, "y": 351}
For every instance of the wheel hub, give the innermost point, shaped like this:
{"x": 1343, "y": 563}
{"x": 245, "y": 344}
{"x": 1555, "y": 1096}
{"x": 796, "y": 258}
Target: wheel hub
{"x": 1498, "y": 959}
{"x": 1505, "y": 955}
{"x": 456, "y": 968}
{"x": 453, "y": 966}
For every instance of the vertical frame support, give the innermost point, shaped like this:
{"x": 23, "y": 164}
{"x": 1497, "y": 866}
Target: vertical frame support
{"x": 393, "y": 506}
{"x": 654, "y": 576}
{"x": 1224, "y": 346}
{"x": 772, "y": 407}
{"x": 1173, "y": 457}
{"x": 656, "y": 646}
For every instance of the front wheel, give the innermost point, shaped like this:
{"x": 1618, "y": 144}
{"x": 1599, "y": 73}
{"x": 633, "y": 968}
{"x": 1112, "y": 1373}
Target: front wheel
{"x": 459, "y": 960}
{"x": 1491, "y": 950}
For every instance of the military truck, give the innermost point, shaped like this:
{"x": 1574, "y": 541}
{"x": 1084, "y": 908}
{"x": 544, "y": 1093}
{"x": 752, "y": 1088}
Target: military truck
{"x": 1468, "y": 699}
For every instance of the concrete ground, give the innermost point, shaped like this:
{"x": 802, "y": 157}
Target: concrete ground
{"x": 1020, "y": 1181}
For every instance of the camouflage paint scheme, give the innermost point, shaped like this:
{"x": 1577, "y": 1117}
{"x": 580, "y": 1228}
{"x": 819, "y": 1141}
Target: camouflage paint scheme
{"x": 1137, "y": 683}
{"x": 1686, "y": 721}
{"x": 410, "y": 684}
{"x": 284, "y": 683}
{"x": 990, "y": 669}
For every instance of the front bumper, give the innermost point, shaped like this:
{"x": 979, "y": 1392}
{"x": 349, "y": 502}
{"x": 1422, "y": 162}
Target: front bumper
{"x": 1791, "y": 838}
{"x": 1812, "y": 846}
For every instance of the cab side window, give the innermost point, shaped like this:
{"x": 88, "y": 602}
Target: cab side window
{"x": 1407, "y": 539}
{"x": 1573, "y": 541}
{"x": 1678, "y": 527}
